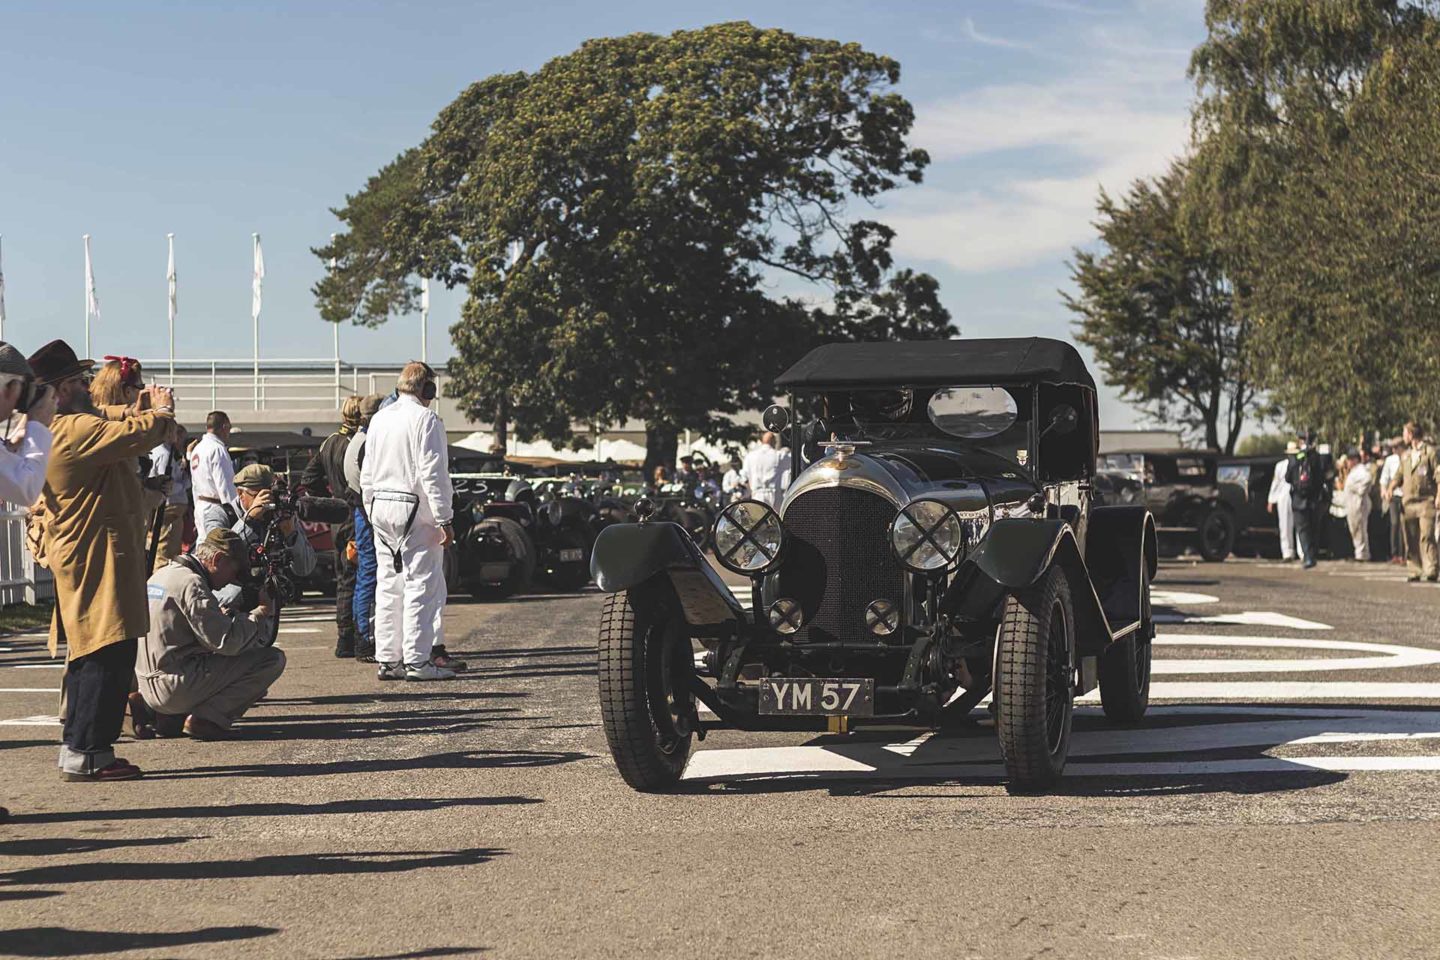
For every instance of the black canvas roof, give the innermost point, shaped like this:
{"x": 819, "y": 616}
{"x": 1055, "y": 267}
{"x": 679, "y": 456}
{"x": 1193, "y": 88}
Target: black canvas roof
{"x": 936, "y": 363}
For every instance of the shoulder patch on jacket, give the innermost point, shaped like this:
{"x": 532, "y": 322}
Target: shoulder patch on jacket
{"x": 154, "y": 591}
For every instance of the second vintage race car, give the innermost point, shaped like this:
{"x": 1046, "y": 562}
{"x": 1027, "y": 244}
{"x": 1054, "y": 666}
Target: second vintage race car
{"x": 938, "y": 543}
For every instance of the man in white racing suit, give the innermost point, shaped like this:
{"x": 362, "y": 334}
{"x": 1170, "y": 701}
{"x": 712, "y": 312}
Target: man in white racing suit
{"x": 767, "y": 470}
{"x": 405, "y": 487}
{"x": 212, "y": 477}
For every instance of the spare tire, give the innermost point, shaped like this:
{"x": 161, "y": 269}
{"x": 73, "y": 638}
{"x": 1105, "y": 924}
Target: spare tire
{"x": 510, "y": 571}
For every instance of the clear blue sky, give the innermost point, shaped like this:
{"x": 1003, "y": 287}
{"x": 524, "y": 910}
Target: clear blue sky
{"x": 128, "y": 120}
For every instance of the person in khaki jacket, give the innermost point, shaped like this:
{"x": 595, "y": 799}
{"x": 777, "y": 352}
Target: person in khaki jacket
{"x": 199, "y": 658}
{"x": 1416, "y": 480}
{"x": 94, "y": 542}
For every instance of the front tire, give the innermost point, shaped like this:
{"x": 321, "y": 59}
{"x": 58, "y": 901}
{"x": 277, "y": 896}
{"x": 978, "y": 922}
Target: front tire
{"x": 645, "y": 701}
{"x": 1125, "y": 669}
{"x": 1035, "y": 683}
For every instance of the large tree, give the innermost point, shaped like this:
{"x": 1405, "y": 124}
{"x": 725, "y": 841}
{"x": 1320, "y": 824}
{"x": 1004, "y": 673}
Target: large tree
{"x": 1278, "y": 83}
{"x": 645, "y": 227}
{"x": 1157, "y": 308}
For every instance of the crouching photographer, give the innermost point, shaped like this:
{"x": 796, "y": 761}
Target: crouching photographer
{"x": 202, "y": 665}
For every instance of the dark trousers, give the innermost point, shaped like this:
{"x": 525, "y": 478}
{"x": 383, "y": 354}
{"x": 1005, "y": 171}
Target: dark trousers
{"x": 96, "y": 688}
{"x": 344, "y": 586}
{"x": 365, "y": 573}
{"x": 1397, "y": 527}
{"x": 1304, "y": 531}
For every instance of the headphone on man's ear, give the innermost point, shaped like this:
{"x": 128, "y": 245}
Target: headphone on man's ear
{"x": 430, "y": 390}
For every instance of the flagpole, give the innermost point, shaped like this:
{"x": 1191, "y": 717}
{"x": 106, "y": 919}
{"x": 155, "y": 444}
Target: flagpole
{"x": 2, "y": 287}
{"x": 86, "y": 238}
{"x": 255, "y": 312}
{"x": 424, "y": 319}
{"x": 170, "y": 296}
{"x": 336, "y": 333}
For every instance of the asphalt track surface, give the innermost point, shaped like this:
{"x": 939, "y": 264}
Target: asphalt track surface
{"x": 1280, "y": 801}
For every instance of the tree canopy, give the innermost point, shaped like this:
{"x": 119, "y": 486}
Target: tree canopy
{"x": 1158, "y": 310}
{"x": 649, "y": 227}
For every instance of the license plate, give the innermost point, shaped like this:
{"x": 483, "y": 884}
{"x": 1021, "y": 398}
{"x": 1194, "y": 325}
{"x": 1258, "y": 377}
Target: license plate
{"x": 806, "y": 696}
{"x": 572, "y": 556}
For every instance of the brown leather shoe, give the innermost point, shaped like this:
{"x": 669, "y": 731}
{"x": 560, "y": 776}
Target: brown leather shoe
{"x": 118, "y": 770}
{"x": 198, "y": 728}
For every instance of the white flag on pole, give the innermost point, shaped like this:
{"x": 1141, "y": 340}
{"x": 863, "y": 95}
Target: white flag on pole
{"x": 92, "y": 300}
{"x": 424, "y": 293}
{"x": 257, "y": 283}
{"x": 170, "y": 278}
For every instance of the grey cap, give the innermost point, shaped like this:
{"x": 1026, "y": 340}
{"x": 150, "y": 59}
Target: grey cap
{"x": 13, "y": 362}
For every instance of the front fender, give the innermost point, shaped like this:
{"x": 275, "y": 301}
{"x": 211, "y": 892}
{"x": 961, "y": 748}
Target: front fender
{"x": 626, "y": 555}
{"x": 1018, "y": 550}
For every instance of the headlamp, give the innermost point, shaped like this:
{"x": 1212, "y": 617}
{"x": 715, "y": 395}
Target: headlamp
{"x": 927, "y": 536}
{"x": 748, "y": 537}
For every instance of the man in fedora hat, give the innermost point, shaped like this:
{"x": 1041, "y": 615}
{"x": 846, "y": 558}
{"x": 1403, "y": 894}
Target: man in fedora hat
{"x": 95, "y": 541}
{"x": 200, "y": 660}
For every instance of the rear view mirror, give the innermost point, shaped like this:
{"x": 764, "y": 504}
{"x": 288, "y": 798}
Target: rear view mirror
{"x": 775, "y": 418}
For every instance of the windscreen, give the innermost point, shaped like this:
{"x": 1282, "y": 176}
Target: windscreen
{"x": 994, "y": 419}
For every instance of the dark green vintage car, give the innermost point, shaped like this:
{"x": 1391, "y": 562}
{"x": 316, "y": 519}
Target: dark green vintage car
{"x": 938, "y": 543}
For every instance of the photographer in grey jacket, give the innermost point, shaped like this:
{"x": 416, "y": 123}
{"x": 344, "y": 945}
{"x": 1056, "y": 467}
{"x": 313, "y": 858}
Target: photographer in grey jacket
{"x": 201, "y": 659}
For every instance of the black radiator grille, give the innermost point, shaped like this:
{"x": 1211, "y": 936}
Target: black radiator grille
{"x": 839, "y": 560}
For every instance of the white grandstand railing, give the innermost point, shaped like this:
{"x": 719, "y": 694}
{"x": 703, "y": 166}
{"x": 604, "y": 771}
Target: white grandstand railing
{"x": 233, "y": 384}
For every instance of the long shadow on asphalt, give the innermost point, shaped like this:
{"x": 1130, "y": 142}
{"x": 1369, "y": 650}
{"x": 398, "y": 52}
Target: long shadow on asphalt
{"x": 1119, "y": 786}
{"x": 59, "y": 846}
{"x": 18, "y": 744}
{"x": 64, "y": 942}
{"x": 454, "y": 760}
{"x": 281, "y": 865}
{"x": 280, "y": 727}
{"x": 518, "y": 653}
{"x": 247, "y": 810}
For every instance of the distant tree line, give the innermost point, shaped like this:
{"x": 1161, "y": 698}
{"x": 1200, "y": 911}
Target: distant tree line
{"x": 1290, "y": 263}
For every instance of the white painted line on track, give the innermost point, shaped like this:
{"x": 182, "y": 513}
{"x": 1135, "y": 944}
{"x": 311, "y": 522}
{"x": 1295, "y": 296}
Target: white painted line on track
{"x": 947, "y": 756}
{"x": 1250, "y": 618}
{"x": 284, "y": 630}
{"x": 1179, "y": 598}
{"x": 29, "y": 689}
{"x": 1287, "y": 690}
{"x": 1390, "y": 656}
{"x": 36, "y": 721}
{"x": 33, "y": 666}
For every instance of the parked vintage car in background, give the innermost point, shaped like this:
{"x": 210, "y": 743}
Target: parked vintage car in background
{"x": 507, "y": 534}
{"x": 1259, "y": 529}
{"x": 937, "y": 544}
{"x": 1192, "y": 505}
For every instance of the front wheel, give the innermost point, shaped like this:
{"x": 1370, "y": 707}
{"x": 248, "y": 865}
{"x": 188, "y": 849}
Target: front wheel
{"x": 645, "y": 701}
{"x": 1035, "y": 683}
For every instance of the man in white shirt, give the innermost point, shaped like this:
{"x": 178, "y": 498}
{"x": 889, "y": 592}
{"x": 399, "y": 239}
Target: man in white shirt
{"x": 767, "y": 470}
{"x": 25, "y": 455}
{"x": 168, "y": 463}
{"x": 212, "y": 476}
{"x": 1279, "y": 504}
{"x": 733, "y": 484}
{"x": 1392, "y": 501}
{"x": 1357, "y": 503}
{"x": 406, "y": 491}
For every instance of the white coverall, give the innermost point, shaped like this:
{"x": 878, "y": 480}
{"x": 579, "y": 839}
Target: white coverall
{"x": 1357, "y": 508}
{"x": 212, "y": 480}
{"x": 405, "y": 486}
{"x": 1284, "y": 510}
{"x": 767, "y": 474}
{"x": 733, "y": 485}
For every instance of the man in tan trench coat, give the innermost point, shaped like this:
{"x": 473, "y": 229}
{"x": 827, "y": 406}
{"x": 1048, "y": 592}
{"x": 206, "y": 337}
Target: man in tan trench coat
{"x": 95, "y": 546}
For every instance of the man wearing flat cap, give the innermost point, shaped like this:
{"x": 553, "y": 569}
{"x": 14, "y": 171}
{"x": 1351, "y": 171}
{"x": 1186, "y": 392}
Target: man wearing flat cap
{"x": 253, "y": 485}
{"x": 94, "y": 540}
{"x": 23, "y": 458}
{"x": 201, "y": 661}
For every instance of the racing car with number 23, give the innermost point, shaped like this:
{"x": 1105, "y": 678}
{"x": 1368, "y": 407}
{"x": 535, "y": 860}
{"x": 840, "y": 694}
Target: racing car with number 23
{"x": 938, "y": 543}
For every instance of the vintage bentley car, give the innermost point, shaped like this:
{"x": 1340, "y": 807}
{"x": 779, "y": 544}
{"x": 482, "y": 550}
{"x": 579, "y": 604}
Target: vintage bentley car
{"x": 508, "y": 533}
{"x": 937, "y": 544}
